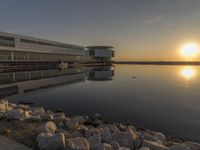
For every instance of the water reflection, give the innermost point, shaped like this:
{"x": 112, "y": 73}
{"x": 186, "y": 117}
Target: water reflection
{"x": 18, "y": 82}
{"x": 101, "y": 74}
{"x": 188, "y": 72}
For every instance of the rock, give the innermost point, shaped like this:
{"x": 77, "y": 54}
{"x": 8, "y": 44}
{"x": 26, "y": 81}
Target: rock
{"x": 160, "y": 136}
{"x": 147, "y": 136}
{"x": 4, "y": 106}
{"x": 192, "y": 145}
{"x": 49, "y": 117}
{"x": 179, "y": 147}
{"x": 115, "y": 145}
{"x": 124, "y": 139}
{"x": 80, "y": 119}
{"x": 58, "y": 117}
{"x": 24, "y": 107}
{"x": 37, "y": 111}
{"x": 18, "y": 114}
{"x": 72, "y": 123}
{"x": 154, "y": 145}
{"x": 1, "y": 115}
{"x": 144, "y": 148}
{"x": 78, "y": 143}
{"x": 49, "y": 141}
{"x": 94, "y": 140}
{"x": 132, "y": 132}
{"x": 76, "y": 134}
{"x": 106, "y": 135}
{"x": 103, "y": 146}
{"x": 186, "y": 146}
{"x": 97, "y": 116}
{"x": 124, "y": 148}
{"x": 92, "y": 132}
{"x": 48, "y": 127}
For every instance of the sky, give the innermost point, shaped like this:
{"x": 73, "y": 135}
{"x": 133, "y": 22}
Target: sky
{"x": 138, "y": 29}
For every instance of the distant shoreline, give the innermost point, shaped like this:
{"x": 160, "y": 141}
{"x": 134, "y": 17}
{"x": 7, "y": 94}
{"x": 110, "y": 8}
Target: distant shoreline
{"x": 158, "y": 62}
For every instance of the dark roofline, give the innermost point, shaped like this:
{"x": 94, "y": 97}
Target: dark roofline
{"x": 97, "y": 47}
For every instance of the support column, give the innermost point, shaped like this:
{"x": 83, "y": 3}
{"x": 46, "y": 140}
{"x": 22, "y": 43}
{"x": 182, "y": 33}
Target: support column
{"x": 12, "y": 55}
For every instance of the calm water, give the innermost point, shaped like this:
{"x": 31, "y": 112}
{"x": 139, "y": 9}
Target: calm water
{"x": 161, "y": 98}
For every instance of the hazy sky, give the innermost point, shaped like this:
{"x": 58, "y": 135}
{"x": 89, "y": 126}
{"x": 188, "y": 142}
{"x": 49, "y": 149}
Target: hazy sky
{"x": 138, "y": 29}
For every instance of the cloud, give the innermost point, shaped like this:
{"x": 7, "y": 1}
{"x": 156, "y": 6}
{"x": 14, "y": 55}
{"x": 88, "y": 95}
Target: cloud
{"x": 155, "y": 19}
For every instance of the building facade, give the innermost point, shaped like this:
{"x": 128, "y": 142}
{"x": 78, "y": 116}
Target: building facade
{"x": 17, "y": 50}
{"x": 100, "y": 54}
{"x": 22, "y": 48}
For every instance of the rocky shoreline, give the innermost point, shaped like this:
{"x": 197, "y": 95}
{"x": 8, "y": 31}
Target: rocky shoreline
{"x": 47, "y": 130}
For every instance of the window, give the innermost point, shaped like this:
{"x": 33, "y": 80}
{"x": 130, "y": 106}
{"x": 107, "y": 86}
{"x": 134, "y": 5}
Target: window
{"x": 7, "y": 41}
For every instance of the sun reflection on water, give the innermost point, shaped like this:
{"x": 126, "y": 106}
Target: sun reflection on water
{"x": 188, "y": 72}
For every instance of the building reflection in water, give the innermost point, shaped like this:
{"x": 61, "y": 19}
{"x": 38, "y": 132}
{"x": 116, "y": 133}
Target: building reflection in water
{"x": 188, "y": 72}
{"x": 18, "y": 82}
{"x": 101, "y": 74}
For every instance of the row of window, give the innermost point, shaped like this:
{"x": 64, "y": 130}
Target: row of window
{"x": 46, "y": 43}
{"x": 6, "y": 55}
{"x": 7, "y": 41}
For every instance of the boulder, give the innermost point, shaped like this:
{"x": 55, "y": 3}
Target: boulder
{"x": 78, "y": 143}
{"x": 59, "y": 117}
{"x": 94, "y": 140}
{"x": 103, "y": 146}
{"x": 160, "y": 136}
{"x": 179, "y": 147}
{"x": 115, "y": 145}
{"x": 124, "y": 148}
{"x": 18, "y": 114}
{"x": 49, "y": 141}
{"x": 154, "y": 145}
{"x": 106, "y": 135}
{"x": 192, "y": 145}
{"x": 72, "y": 123}
{"x": 144, "y": 148}
{"x": 48, "y": 127}
{"x": 124, "y": 139}
{"x": 91, "y": 132}
{"x": 4, "y": 106}
{"x": 37, "y": 111}
{"x": 80, "y": 119}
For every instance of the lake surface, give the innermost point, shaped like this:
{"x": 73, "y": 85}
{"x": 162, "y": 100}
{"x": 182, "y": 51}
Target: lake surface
{"x": 160, "y": 98}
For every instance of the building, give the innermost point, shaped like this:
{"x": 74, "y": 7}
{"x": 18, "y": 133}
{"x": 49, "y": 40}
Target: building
{"x": 99, "y": 54}
{"x": 17, "y": 49}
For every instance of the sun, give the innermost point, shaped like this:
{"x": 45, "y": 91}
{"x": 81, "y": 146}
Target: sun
{"x": 190, "y": 50}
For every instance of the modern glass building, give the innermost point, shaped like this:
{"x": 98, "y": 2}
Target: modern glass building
{"x": 23, "y": 50}
{"x": 17, "y": 48}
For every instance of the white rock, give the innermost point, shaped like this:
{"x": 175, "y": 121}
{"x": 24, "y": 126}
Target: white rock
{"x": 49, "y": 141}
{"x": 144, "y": 148}
{"x": 124, "y": 148}
{"x": 103, "y": 146}
{"x": 115, "y": 145}
{"x": 4, "y": 106}
{"x": 48, "y": 127}
{"x": 80, "y": 119}
{"x": 37, "y": 111}
{"x": 154, "y": 145}
{"x": 124, "y": 139}
{"x": 160, "y": 136}
{"x": 179, "y": 147}
{"x": 73, "y": 123}
{"x": 192, "y": 145}
{"x": 91, "y": 132}
{"x": 94, "y": 140}
{"x": 106, "y": 135}
{"x": 78, "y": 143}
{"x": 59, "y": 117}
{"x": 18, "y": 114}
